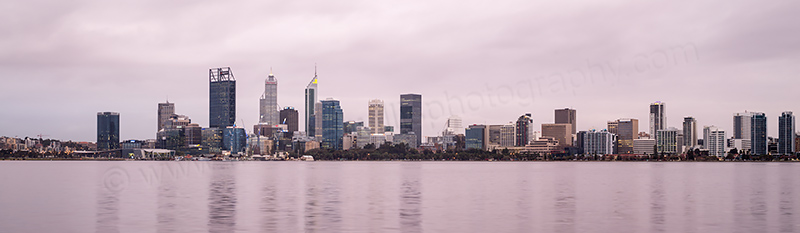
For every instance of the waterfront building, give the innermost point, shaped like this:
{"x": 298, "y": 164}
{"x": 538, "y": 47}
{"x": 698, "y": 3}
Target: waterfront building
{"x": 667, "y": 141}
{"x": 524, "y": 129}
{"x": 234, "y": 139}
{"x": 351, "y": 126}
{"x": 689, "y": 132}
{"x": 758, "y": 133}
{"x": 212, "y": 139}
{"x": 714, "y": 140}
{"x": 410, "y": 139}
{"x": 786, "y": 133}
{"x": 507, "y": 133}
{"x": 596, "y": 142}
{"x": 626, "y": 131}
{"x": 107, "y": 131}
{"x": 194, "y": 134}
{"x": 477, "y": 137}
{"x": 453, "y": 126}
{"x": 644, "y": 146}
{"x": 332, "y": 124}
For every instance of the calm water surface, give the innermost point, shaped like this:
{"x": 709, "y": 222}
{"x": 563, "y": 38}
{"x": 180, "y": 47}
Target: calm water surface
{"x": 71, "y": 196}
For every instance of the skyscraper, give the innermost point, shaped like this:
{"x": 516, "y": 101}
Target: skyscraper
{"x": 566, "y": 116}
{"x": 596, "y": 142}
{"x": 453, "y": 126}
{"x": 311, "y": 99}
{"x": 689, "y": 132}
{"x": 268, "y": 103}
{"x": 507, "y": 133}
{"x": 626, "y": 130}
{"x": 411, "y": 115}
{"x": 523, "y": 130}
{"x": 107, "y": 131}
{"x": 332, "y": 124}
{"x": 758, "y": 133}
{"x": 658, "y": 117}
{"x": 714, "y": 139}
{"x": 741, "y": 125}
{"x": 222, "y": 97}
{"x": 165, "y": 110}
{"x": 477, "y": 137}
{"x": 376, "y": 116}
{"x": 786, "y": 133}
{"x": 667, "y": 141}
{"x": 289, "y": 117}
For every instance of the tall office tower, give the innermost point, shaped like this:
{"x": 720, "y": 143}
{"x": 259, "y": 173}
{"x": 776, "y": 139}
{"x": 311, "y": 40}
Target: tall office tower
{"x": 411, "y": 115}
{"x": 741, "y": 125}
{"x": 523, "y": 131}
{"x": 268, "y": 103}
{"x": 332, "y": 124}
{"x": 222, "y": 97}
{"x": 561, "y": 132}
{"x": 107, "y": 131}
{"x": 658, "y": 117}
{"x": 165, "y": 110}
{"x": 626, "y": 130}
{"x": 596, "y": 142}
{"x": 689, "y": 132}
{"x": 311, "y": 100}
{"x": 351, "y": 126}
{"x": 376, "y": 116}
{"x": 758, "y": 133}
{"x": 477, "y": 137}
{"x": 317, "y": 120}
{"x": 507, "y": 133}
{"x": 667, "y": 141}
{"x": 786, "y": 133}
{"x": 453, "y": 126}
{"x": 714, "y": 139}
{"x": 289, "y": 117}
{"x": 566, "y": 116}
{"x": 234, "y": 139}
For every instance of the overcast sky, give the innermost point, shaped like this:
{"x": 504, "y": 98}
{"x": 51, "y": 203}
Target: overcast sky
{"x": 486, "y": 61}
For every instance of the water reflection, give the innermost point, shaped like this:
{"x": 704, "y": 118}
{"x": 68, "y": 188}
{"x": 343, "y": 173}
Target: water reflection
{"x": 786, "y": 198}
{"x": 657, "y": 195}
{"x": 411, "y": 198}
{"x": 222, "y": 198}
{"x": 322, "y": 209}
{"x": 167, "y": 207}
{"x": 107, "y": 210}
{"x": 564, "y": 203}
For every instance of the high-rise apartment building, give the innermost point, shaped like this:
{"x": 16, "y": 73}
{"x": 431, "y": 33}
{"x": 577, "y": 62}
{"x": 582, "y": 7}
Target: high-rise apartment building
{"x": 658, "y": 117}
{"x": 758, "y": 134}
{"x": 375, "y": 116}
{"x": 560, "y": 132}
{"x": 222, "y": 97}
{"x": 332, "y": 124}
{"x": 311, "y": 101}
{"x": 689, "y": 132}
{"x": 714, "y": 139}
{"x": 786, "y": 133}
{"x": 741, "y": 125}
{"x": 596, "y": 142}
{"x": 667, "y": 141}
{"x": 567, "y": 116}
{"x": 411, "y": 115}
{"x": 165, "y": 110}
{"x": 507, "y": 133}
{"x": 524, "y": 129}
{"x": 107, "y": 131}
{"x": 268, "y": 104}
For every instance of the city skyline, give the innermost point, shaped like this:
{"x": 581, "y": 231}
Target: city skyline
{"x": 485, "y": 79}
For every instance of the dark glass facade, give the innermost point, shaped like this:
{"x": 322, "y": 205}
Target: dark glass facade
{"x": 234, "y": 139}
{"x": 212, "y": 139}
{"x": 107, "y": 131}
{"x": 786, "y": 133}
{"x": 411, "y": 115}
{"x": 475, "y": 137}
{"x": 222, "y": 98}
{"x": 758, "y": 133}
{"x": 332, "y": 124}
{"x": 289, "y": 117}
{"x": 523, "y": 130}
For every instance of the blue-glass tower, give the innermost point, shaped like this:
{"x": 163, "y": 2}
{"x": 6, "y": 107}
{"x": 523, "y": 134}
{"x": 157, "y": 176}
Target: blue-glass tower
{"x": 332, "y": 124}
{"x": 107, "y": 131}
{"x": 222, "y": 97}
